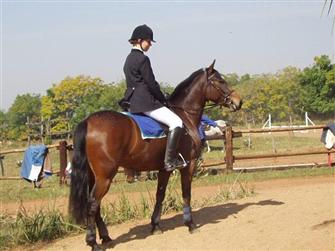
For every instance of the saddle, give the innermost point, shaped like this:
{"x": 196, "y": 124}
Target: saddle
{"x": 152, "y": 129}
{"x": 149, "y": 127}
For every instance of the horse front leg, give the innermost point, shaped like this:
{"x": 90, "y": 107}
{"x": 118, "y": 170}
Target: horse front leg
{"x": 163, "y": 178}
{"x": 186, "y": 180}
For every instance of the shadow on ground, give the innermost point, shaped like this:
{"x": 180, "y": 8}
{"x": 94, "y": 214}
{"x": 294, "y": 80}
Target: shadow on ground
{"x": 203, "y": 216}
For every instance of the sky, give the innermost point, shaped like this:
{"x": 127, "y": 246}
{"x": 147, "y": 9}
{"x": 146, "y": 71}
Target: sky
{"x": 43, "y": 42}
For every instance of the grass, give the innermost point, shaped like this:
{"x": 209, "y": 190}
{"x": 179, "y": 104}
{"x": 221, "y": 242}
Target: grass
{"x": 13, "y": 191}
{"x": 50, "y": 224}
{"x": 25, "y": 228}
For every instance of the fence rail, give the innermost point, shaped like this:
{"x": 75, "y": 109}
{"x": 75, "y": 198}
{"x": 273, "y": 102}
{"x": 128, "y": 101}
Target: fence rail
{"x": 230, "y": 134}
{"x": 229, "y": 158}
{"x": 63, "y": 148}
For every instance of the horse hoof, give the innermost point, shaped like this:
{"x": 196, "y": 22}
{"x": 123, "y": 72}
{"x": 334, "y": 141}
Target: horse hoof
{"x": 96, "y": 247}
{"x": 192, "y": 228}
{"x": 156, "y": 230}
{"x": 107, "y": 243}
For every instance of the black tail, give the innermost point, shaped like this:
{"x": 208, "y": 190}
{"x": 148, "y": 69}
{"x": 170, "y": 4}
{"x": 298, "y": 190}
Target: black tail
{"x": 79, "y": 175}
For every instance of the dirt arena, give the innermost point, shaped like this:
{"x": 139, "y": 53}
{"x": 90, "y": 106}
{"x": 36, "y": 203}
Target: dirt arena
{"x": 292, "y": 214}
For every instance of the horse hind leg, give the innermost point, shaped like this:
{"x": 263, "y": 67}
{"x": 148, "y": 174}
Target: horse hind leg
{"x": 99, "y": 189}
{"x": 107, "y": 242}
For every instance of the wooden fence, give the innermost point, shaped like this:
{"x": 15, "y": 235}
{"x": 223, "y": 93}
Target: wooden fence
{"x": 65, "y": 150}
{"x": 230, "y": 158}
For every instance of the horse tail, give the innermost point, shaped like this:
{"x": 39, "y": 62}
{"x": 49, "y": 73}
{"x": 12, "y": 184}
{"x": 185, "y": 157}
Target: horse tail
{"x": 79, "y": 176}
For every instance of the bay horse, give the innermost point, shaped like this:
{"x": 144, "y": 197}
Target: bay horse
{"x": 106, "y": 140}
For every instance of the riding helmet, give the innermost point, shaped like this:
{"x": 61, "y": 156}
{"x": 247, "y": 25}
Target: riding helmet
{"x": 142, "y": 32}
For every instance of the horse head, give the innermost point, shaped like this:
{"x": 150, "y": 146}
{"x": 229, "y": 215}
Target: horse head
{"x": 218, "y": 91}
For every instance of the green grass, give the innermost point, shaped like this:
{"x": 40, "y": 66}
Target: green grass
{"x": 28, "y": 228}
{"x": 264, "y": 175}
{"x": 49, "y": 224}
{"x": 17, "y": 190}
{"x": 11, "y": 191}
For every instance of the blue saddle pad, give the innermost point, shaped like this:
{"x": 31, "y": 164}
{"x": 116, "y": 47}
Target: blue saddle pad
{"x": 150, "y": 128}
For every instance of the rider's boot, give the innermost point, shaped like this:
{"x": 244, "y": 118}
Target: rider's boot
{"x": 171, "y": 160}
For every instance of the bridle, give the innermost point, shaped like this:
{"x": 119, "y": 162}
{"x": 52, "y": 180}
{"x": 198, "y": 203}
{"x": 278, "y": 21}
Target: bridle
{"x": 225, "y": 98}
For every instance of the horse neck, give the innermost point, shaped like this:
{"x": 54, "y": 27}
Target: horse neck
{"x": 191, "y": 101}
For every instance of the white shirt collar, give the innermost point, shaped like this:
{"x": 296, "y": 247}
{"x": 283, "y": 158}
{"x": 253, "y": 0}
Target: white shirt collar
{"x": 137, "y": 48}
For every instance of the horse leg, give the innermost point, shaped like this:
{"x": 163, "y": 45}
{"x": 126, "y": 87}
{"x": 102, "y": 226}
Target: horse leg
{"x": 103, "y": 232}
{"x": 163, "y": 178}
{"x": 99, "y": 189}
{"x": 91, "y": 212}
{"x": 186, "y": 180}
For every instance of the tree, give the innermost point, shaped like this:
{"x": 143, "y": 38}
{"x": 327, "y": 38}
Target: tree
{"x": 318, "y": 85}
{"x": 63, "y": 99}
{"x": 25, "y": 106}
{"x": 106, "y": 98}
{"x": 3, "y": 126}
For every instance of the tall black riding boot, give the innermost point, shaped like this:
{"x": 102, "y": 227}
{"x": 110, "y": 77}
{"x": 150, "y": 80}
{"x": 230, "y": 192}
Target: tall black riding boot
{"x": 171, "y": 160}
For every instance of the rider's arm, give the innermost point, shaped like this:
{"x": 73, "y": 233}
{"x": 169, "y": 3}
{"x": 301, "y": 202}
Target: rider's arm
{"x": 208, "y": 121}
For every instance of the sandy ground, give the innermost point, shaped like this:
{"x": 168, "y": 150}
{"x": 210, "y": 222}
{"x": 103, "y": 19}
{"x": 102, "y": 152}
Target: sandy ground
{"x": 293, "y": 214}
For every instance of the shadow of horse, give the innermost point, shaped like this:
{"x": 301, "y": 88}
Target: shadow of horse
{"x": 203, "y": 216}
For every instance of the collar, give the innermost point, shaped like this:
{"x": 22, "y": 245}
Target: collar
{"x": 137, "y": 48}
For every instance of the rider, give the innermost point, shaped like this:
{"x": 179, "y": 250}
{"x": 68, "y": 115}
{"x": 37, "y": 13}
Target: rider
{"x": 145, "y": 96}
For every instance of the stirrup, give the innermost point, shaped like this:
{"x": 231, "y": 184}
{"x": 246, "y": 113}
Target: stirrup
{"x": 176, "y": 165}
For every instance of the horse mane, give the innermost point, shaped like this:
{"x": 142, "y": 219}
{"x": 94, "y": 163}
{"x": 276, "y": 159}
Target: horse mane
{"x": 183, "y": 86}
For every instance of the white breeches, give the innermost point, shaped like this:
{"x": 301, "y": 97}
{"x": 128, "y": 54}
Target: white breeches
{"x": 166, "y": 116}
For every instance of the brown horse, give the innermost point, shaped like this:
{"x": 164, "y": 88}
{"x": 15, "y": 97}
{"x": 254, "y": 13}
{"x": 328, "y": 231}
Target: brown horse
{"x": 107, "y": 140}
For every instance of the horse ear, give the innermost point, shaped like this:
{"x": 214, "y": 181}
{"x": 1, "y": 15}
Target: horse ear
{"x": 210, "y": 69}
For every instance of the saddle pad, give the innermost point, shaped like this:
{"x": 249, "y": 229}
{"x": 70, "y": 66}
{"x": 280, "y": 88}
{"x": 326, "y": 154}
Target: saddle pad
{"x": 150, "y": 128}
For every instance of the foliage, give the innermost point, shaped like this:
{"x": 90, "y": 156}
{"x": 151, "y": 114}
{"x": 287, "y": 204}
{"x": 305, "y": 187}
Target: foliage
{"x": 62, "y": 99}
{"x": 318, "y": 84}
{"x": 27, "y": 228}
{"x": 276, "y": 94}
{"x": 286, "y": 95}
{"x": 25, "y": 106}
{"x": 3, "y": 126}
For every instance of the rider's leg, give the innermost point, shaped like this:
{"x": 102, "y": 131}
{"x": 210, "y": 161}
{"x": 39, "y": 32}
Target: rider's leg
{"x": 166, "y": 116}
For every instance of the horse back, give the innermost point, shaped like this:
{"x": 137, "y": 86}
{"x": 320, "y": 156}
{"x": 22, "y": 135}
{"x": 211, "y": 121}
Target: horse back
{"x": 115, "y": 139}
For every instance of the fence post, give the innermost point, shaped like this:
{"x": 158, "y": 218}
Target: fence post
{"x": 1, "y": 165}
{"x": 62, "y": 161}
{"x": 229, "y": 148}
{"x": 329, "y": 160}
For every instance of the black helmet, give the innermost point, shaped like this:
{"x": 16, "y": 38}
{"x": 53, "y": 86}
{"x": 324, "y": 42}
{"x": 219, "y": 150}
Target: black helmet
{"x": 142, "y": 32}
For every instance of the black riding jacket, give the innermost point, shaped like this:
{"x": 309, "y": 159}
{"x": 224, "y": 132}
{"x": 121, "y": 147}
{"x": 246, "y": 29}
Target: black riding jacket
{"x": 143, "y": 91}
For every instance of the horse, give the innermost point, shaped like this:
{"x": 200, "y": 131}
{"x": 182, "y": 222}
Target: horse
{"x": 106, "y": 140}
{"x": 212, "y": 131}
